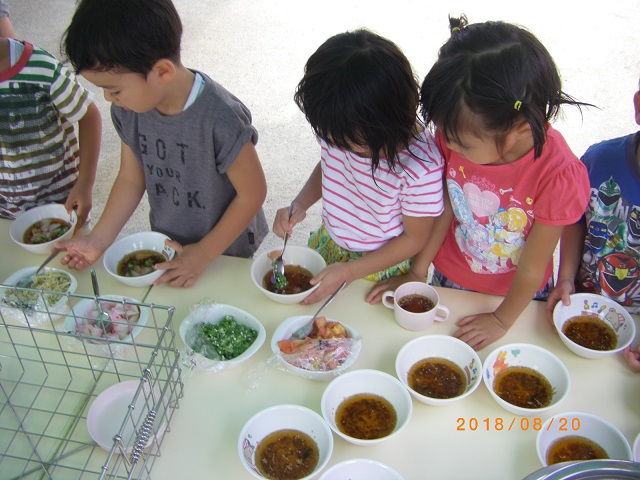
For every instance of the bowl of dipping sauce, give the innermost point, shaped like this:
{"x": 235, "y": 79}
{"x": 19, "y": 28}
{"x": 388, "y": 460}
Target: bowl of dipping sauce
{"x": 301, "y": 264}
{"x": 525, "y": 379}
{"x": 132, "y": 259}
{"x": 593, "y": 326}
{"x": 37, "y": 229}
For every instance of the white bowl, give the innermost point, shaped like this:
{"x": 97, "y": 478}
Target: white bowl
{"x": 361, "y": 469}
{"x": 112, "y": 407}
{"x": 372, "y": 382}
{"x": 531, "y": 356}
{"x": 603, "y": 308}
{"x": 439, "y": 346}
{"x": 39, "y": 314}
{"x": 636, "y": 449}
{"x": 284, "y": 417}
{"x": 290, "y": 325}
{"x": 29, "y": 217}
{"x": 584, "y": 425}
{"x": 138, "y": 241}
{"x": 214, "y": 313}
{"x": 293, "y": 255}
{"x": 84, "y": 313}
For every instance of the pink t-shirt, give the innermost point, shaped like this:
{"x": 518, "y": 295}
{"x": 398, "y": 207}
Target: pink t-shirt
{"x": 361, "y": 214}
{"x": 495, "y": 207}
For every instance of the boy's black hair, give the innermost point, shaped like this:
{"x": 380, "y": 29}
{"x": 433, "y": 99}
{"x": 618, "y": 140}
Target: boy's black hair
{"x": 489, "y": 77}
{"x": 359, "y": 89}
{"x": 126, "y": 35}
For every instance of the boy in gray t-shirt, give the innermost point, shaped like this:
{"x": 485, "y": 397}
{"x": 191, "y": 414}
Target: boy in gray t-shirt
{"x": 185, "y": 140}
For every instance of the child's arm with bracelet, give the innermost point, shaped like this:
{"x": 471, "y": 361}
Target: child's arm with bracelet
{"x": 248, "y": 179}
{"x": 485, "y": 328}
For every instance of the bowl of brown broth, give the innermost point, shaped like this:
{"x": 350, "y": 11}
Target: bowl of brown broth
{"x": 366, "y": 407}
{"x": 439, "y": 369}
{"x": 525, "y": 379}
{"x": 285, "y": 442}
{"x": 593, "y": 326}
{"x": 38, "y": 229}
{"x": 578, "y": 436}
{"x": 301, "y": 265}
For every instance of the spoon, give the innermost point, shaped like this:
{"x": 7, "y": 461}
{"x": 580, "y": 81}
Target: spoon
{"x": 53, "y": 255}
{"x": 304, "y": 331}
{"x": 102, "y": 320}
{"x": 278, "y": 264}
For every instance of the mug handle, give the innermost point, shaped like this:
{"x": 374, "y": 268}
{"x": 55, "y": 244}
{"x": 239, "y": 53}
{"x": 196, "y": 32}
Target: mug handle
{"x": 385, "y": 299}
{"x": 442, "y": 313}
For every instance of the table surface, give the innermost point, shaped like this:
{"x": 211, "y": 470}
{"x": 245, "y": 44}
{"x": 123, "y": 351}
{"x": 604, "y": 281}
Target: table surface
{"x": 463, "y": 440}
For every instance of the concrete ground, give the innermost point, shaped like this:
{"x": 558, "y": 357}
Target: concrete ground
{"x": 257, "y": 49}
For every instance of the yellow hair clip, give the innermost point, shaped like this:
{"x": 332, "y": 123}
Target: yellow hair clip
{"x": 455, "y": 29}
{"x": 517, "y": 105}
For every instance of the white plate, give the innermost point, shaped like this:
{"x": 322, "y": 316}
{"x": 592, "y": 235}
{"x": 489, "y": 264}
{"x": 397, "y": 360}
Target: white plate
{"x": 109, "y": 410}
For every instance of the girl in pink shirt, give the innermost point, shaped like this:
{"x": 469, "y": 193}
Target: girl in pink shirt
{"x": 380, "y": 172}
{"x": 512, "y": 181}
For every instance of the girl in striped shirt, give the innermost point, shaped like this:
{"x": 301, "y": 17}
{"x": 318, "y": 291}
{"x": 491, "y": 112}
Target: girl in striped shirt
{"x": 380, "y": 172}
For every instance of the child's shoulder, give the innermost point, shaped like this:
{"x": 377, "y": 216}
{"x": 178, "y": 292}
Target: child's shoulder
{"x": 605, "y": 147}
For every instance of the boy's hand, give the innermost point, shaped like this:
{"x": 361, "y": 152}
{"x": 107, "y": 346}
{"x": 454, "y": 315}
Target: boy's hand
{"x": 185, "y": 268}
{"x": 375, "y": 294}
{"x": 82, "y": 252}
{"x": 79, "y": 199}
{"x": 633, "y": 358}
{"x": 481, "y": 330}
{"x": 283, "y": 223}
{"x": 330, "y": 279}
{"x": 563, "y": 289}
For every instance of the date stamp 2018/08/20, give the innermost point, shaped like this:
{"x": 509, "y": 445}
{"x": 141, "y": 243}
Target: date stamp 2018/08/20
{"x": 522, "y": 424}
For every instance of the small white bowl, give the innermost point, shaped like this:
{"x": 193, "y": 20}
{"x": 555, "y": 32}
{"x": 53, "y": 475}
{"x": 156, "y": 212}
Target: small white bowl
{"x": 531, "y": 356}
{"x": 293, "y": 255}
{"x": 372, "y": 382}
{"x": 214, "y": 313}
{"x": 39, "y": 315}
{"x": 586, "y": 425}
{"x": 290, "y": 325}
{"x": 84, "y": 313}
{"x": 112, "y": 407}
{"x": 361, "y": 469}
{"x": 284, "y": 417}
{"x": 440, "y": 346}
{"x": 54, "y": 210}
{"x": 636, "y": 449}
{"x": 138, "y": 241}
{"x": 603, "y": 308}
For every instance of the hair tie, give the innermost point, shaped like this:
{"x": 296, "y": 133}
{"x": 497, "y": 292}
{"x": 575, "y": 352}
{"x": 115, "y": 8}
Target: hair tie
{"x": 517, "y": 105}
{"x": 455, "y": 29}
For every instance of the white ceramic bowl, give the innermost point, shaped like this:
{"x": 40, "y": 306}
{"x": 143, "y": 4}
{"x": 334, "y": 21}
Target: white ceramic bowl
{"x": 293, "y": 255}
{"x": 584, "y": 425}
{"x": 607, "y": 310}
{"x": 440, "y": 346}
{"x": 290, "y": 325}
{"x": 284, "y": 417}
{"x": 84, "y": 313}
{"x": 29, "y": 217}
{"x": 138, "y": 241}
{"x": 214, "y": 313}
{"x": 531, "y": 356}
{"x": 366, "y": 381}
{"x": 636, "y": 449}
{"x": 361, "y": 469}
{"x": 39, "y": 315}
{"x": 110, "y": 409}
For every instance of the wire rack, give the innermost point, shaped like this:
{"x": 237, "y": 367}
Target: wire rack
{"x": 50, "y": 378}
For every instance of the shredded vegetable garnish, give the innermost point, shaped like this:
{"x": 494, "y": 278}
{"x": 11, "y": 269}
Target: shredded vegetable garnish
{"x": 224, "y": 340}
{"x": 50, "y": 281}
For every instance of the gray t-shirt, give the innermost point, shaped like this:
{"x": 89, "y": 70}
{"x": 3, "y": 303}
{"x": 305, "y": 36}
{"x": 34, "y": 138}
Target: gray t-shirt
{"x": 4, "y": 9}
{"x": 185, "y": 158}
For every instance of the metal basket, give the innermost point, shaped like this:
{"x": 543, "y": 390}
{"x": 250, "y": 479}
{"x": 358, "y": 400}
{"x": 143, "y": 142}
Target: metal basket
{"x": 49, "y": 378}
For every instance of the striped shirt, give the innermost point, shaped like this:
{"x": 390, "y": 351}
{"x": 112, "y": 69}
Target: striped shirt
{"x": 40, "y": 100}
{"x": 362, "y": 213}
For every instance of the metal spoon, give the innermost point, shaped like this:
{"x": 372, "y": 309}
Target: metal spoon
{"x": 102, "y": 320}
{"x": 304, "y": 331}
{"x": 53, "y": 255}
{"x": 278, "y": 263}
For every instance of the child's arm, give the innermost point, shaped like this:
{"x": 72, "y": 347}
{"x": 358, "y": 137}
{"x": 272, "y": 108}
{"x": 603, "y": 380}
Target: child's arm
{"x": 248, "y": 179}
{"x": 125, "y": 196}
{"x": 89, "y": 136}
{"x": 310, "y": 193}
{"x": 485, "y": 328}
{"x": 571, "y": 246}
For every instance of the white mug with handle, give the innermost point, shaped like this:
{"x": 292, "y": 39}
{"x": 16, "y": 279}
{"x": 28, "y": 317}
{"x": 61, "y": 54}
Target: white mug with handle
{"x": 415, "y": 305}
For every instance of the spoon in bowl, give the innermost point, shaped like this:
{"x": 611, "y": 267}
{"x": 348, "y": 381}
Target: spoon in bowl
{"x": 102, "y": 320}
{"x": 305, "y": 330}
{"x": 278, "y": 277}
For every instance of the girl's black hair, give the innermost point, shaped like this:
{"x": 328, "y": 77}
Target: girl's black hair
{"x": 359, "y": 89}
{"x": 127, "y": 35}
{"x": 488, "y": 78}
